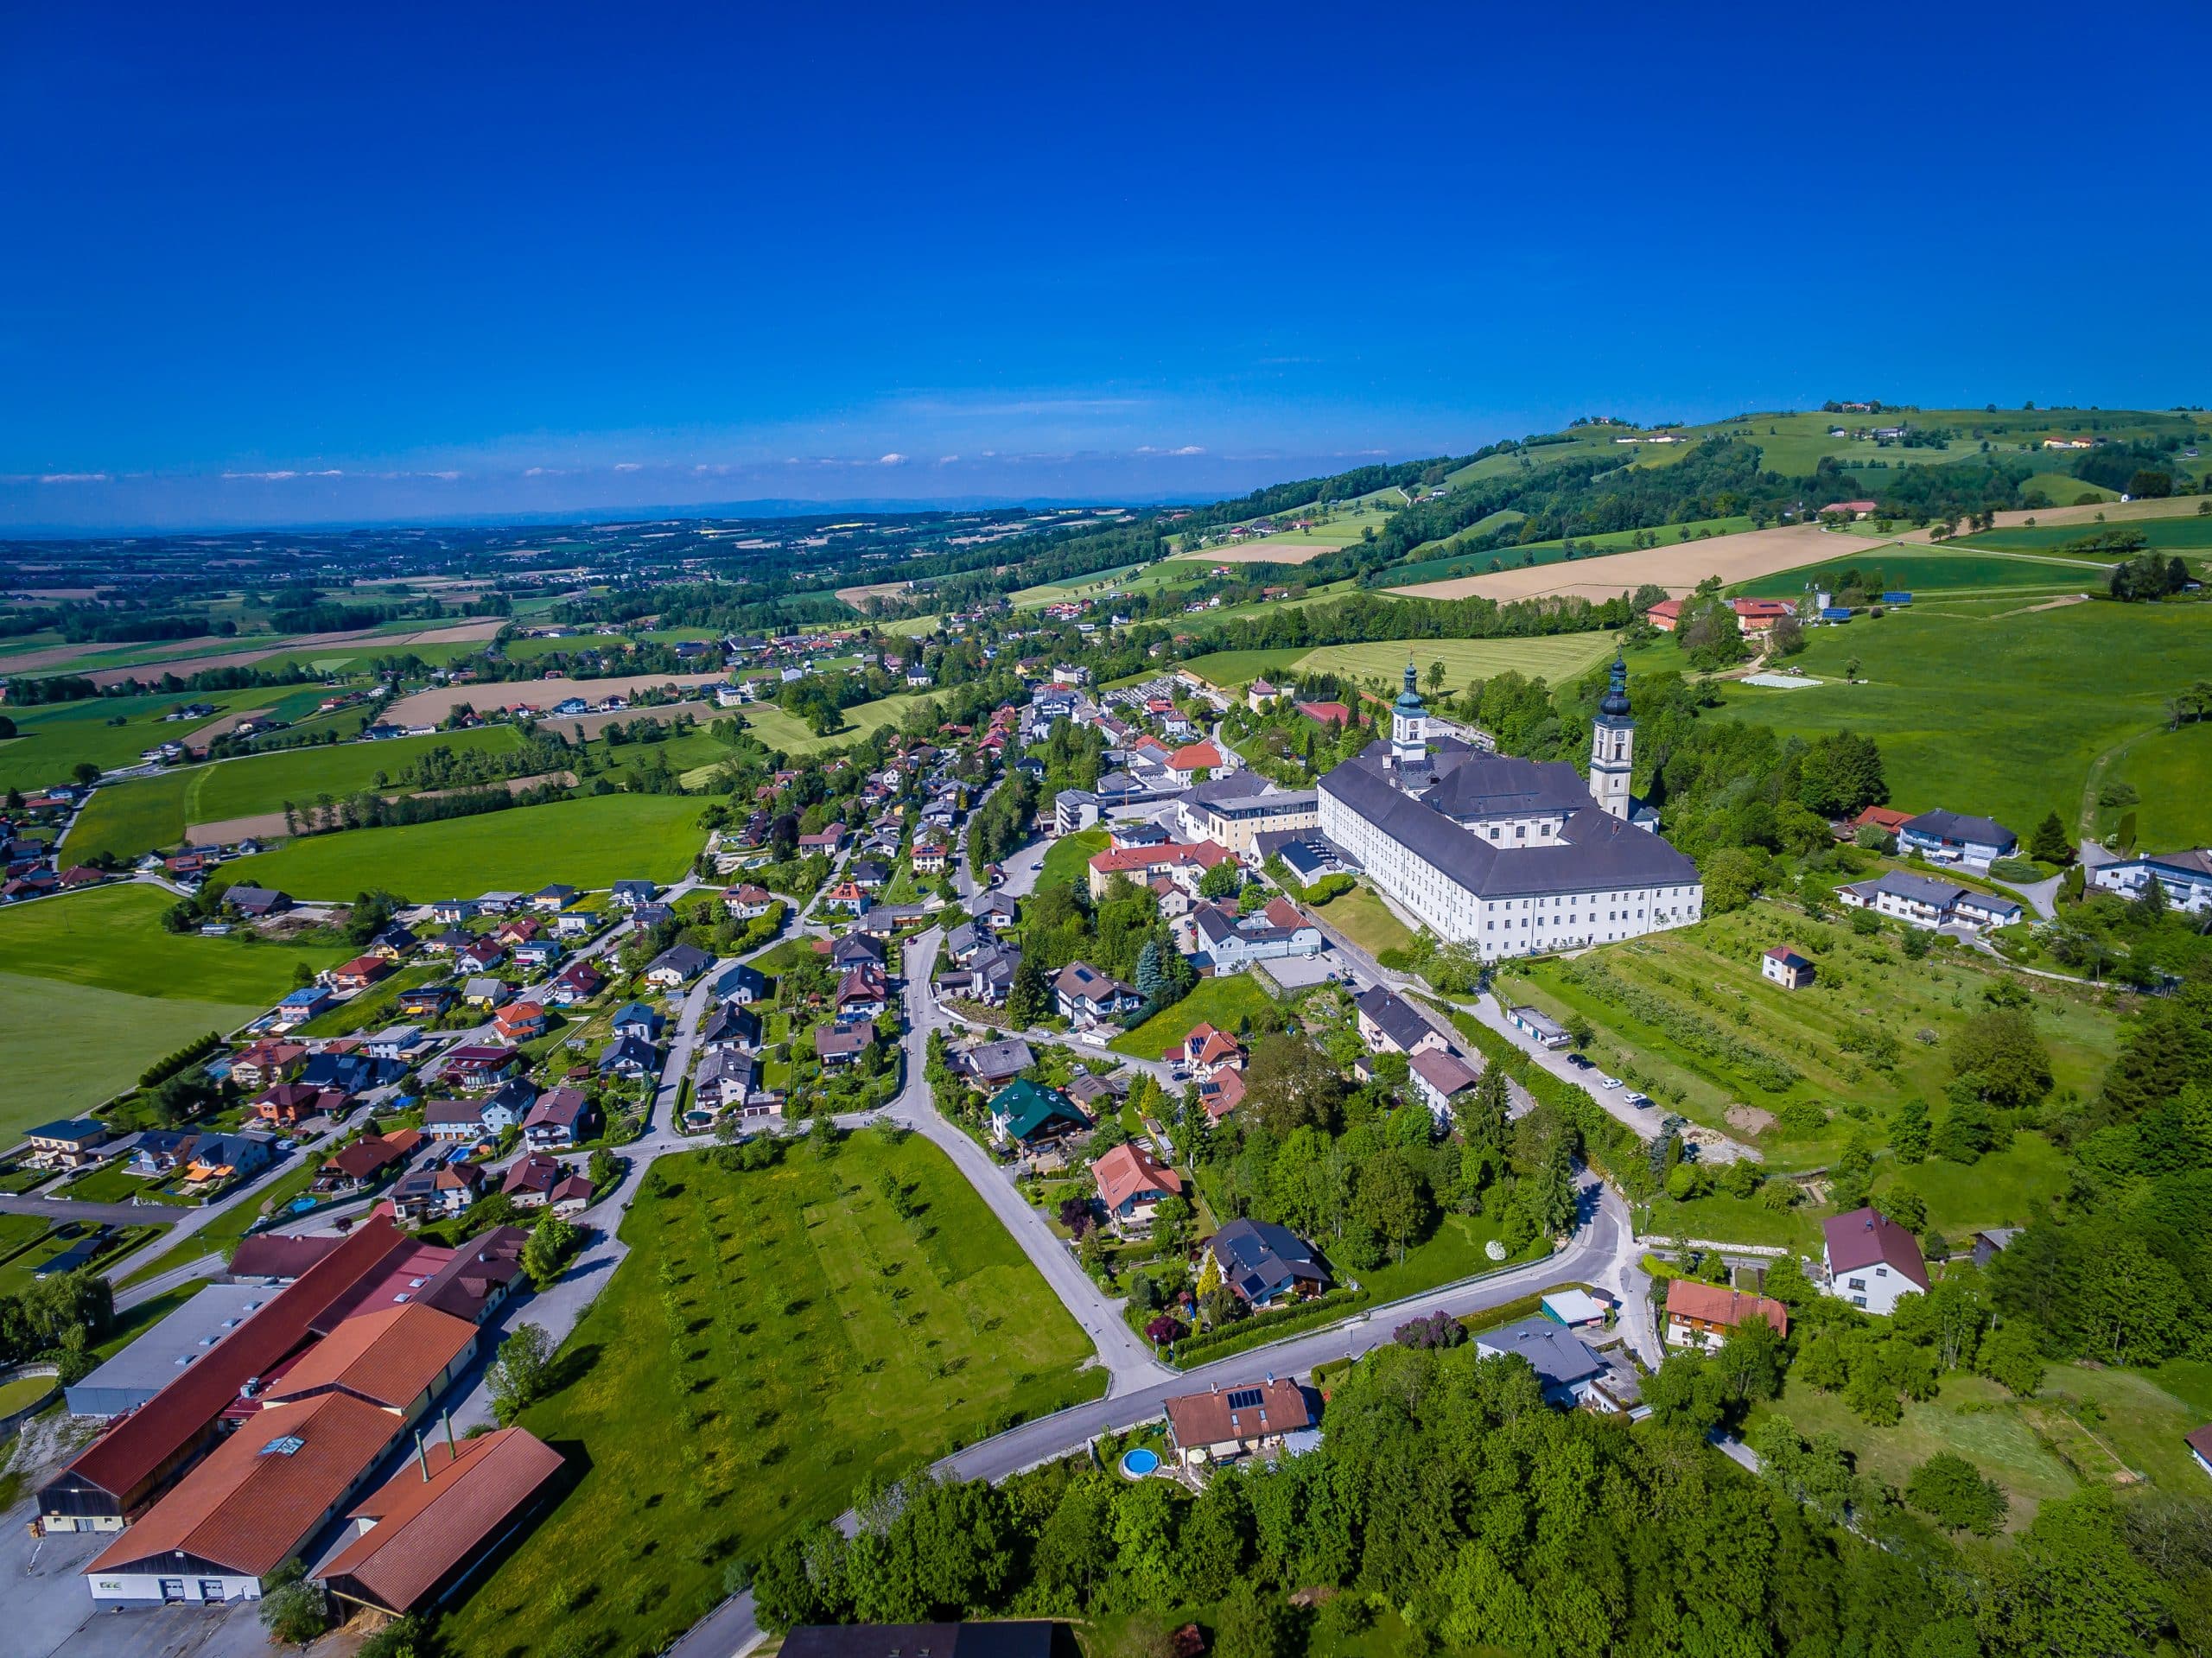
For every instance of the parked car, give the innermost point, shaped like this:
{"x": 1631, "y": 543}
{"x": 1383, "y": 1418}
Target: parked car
{"x": 1581, "y": 1061}
{"x": 1634, "y": 1098}
{"x": 1609, "y": 1082}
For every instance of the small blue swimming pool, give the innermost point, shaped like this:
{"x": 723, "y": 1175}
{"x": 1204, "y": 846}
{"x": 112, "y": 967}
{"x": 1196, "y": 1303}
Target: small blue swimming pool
{"x": 1136, "y": 1464}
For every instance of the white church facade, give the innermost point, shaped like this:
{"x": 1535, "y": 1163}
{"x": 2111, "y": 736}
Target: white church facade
{"x": 1510, "y": 856}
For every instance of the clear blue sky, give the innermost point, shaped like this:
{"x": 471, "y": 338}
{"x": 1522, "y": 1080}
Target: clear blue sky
{"x": 436, "y": 261}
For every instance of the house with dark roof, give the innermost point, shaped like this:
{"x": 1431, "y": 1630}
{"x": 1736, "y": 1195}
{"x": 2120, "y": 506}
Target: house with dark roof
{"x": 1568, "y": 1370}
{"x": 1921, "y": 901}
{"x": 1085, "y": 994}
{"x": 1870, "y": 1261}
{"x": 743, "y": 984}
{"x": 837, "y": 1045}
{"x": 993, "y": 1064}
{"x": 1388, "y": 1023}
{"x": 1953, "y": 837}
{"x": 1025, "y": 1113}
{"x": 2184, "y": 877}
{"x": 678, "y": 966}
{"x": 730, "y": 1026}
{"x": 628, "y": 1056}
{"x": 1264, "y": 1264}
{"x": 1442, "y": 1079}
{"x": 1230, "y": 939}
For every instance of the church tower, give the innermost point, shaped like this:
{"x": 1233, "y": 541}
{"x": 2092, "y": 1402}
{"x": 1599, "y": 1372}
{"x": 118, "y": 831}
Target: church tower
{"x": 1612, "y": 746}
{"x": 1408, "y": 725}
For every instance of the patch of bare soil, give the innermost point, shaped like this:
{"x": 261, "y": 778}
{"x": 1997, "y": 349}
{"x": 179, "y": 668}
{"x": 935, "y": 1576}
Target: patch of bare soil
{"x": 1749, "y": 1119}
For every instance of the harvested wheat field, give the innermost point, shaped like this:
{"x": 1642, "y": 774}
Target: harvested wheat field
{"x": 1678, "y": 567}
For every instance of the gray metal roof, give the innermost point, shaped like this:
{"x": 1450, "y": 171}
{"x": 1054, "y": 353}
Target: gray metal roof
{"x": 1558, "y": 1357}
{"x": 167, "y": 1350}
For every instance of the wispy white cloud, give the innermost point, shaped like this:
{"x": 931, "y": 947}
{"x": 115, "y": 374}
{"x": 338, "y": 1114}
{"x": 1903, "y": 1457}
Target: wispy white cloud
{"x": 73, "y": 478}
{"x": 892, "y": 460}
{"x": 946, "y": 459}
{"x": 628, "y": 465}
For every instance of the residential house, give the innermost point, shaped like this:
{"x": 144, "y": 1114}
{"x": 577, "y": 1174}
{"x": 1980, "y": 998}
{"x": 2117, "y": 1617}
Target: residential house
{"x": 258, "y": 1064}
{"x": 725, "y": 1078}
{"x": 929, "y": 857}
{"x": 480, "y": 956}
{"x": 2184, "y": 877}
{"x": 1204, "y": 1051}
{"x": 1027, "y": 1114}
{"x": 396, "y": 1042}
{"x": 1185, "y": 866}
{"x": 987, "y": 978}
{"x": 355, "y": 1072}
{"x": 743, "y": 984}
{"x": 1222, "y": 1093}
{"x": 993, "y": 1064}
{"x": 1952, "y": 837}
{"x": 394, "y": 942}
{"x": 748, "y": 901}
{"x": 485, "y": 992}
{"x": 1388, "y": 1023}
{"x": 864, "y": 993}
{"x": 639, "y": 1022}
{"x": 826, "y": 842}
{"x": 677, "y": 966}
{"x": 1705, "y": 1315}
{"x": 992, "y": 910}
{"x": 553, "y": 898}
{"x": 452, "y": 910}
{"x": 1786, "y": 966}
{"x": 367, "y": 1161}
{"x": 302, "y": 1005}
{"x": 1568, "y": 1370}
{"x": 436, "y": 1192}
{"x": 730, "y": 1026}
{"x": 286, "y": 1105}
{"x": 560, "y": 1119}
{"x": 1443, "y": 1080}
{"x": 573, "y": 925}
{"x": 1132, "y": 1184}
{"x": 579, "y": 981}
{"x": 1264, "y": 1264}
{"x": 838, "y": 1045}
{"x": 1223, "y": 1424}
{"x": 360, "y": 973}
{"x": 538, "y": 954}
{"x": 1921, "y": 901}
{"x": 520, "y": 1021}
{"x": 530, "y": 1178}
{"x": 427, "y": 1001}
{"x": 1870, "y": 1261}
{"x": 1231, "y": 941}
{"x": 1085, "y": 994}
{"x": 1074, "y": 811}
{"x": 475, "y": 1065}
{"x": 255, "y": 902}
{"x": 629, "y": 895}
{"x": 628, "y": 1056}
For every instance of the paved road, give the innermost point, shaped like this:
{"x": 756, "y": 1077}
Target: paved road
{"x": 1125, "y": 1355}
{"x": 1600, "y": 1244}
{"x": 207, "y": 1266}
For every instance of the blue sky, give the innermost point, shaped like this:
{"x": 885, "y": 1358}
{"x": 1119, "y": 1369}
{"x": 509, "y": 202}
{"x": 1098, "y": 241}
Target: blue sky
{"x": 316, "y": 263}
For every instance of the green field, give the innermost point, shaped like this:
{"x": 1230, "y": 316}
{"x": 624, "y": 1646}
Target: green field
{"x": 2000, "y": 716}
{"x": 2184, "y": 533}
{"x": 1922, "y": 571}
{"x": 1564, "y": 657}
{"x": 1235, "y": 670}
{"x": 1223, "y": 1003}
{"x": 780, "y": 730}
{"x": 152, "y": 814}
{"x": 591, "y": 842}
{"x": 1069, "y": 858}
{"x": 92, "y": 991}
{"x": 1663, "y": 1004}
{"x": 1366, "y": 920}
{"x": 53, "y": 737}
{"x": 2172, "y": 772}
{"x": 772, "y": 1339}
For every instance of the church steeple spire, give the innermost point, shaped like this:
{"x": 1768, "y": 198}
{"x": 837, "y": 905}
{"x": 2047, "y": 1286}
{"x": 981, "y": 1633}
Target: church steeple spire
{"x": 1409, "y": 723}
{"x": 1612, "y": 744}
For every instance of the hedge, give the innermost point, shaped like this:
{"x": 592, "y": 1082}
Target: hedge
{"x": 162, "y": 1070}
{"x": 1265, "y": 1327}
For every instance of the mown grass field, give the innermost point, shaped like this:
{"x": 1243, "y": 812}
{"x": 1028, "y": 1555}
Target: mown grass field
{"x": 1564, "y": 657}
{"x": 780, "y": 730}
{"x": 590, "y": 843}
{"x": 772, "y": 1339}
{"x": 2184, "y": 533}
{"x": 92, "y": 991}
{"x": 1665, "y": 1004}
{"x": 152, "y": 814}
{"x": 1068, "y": 859}
{"x": 53, "y": 737}
{"x": 2171, "y": 771}
{"x": 2001, "y": 715}
{"x": 1366, "y": 920}
{"x": 1223, "y": 1003}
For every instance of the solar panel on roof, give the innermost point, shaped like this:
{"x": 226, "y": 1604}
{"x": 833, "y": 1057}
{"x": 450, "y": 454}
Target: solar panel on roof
{"x": 285, "y": 1446}
{"x": 1244, "y": 1399}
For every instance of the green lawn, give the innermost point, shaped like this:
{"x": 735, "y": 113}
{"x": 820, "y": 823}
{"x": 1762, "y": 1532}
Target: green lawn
{"x": 1454, "y": 1251}
{"x": 1221, "y": 1003}
{"x": 56, "y": 735}
{"x": 1235, "y": 670}
{"x": 2171, "y": 771}
{"x": 1069, "y": 859}
{"x": 1925, "y": 570}
{"x": 92, "y": 991}
{"x": 780, "y": 730}
{"x": 1999, "y": 715}
{"x": 772, "y": 1339}
{"x": 590, "y": 843}
{"x": 1556, "y": 659}
{"x": 1366, "y": 920}
{"x": 151, "y": 814}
